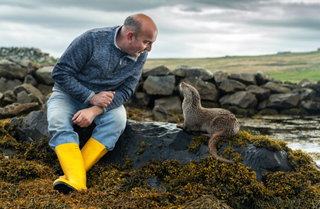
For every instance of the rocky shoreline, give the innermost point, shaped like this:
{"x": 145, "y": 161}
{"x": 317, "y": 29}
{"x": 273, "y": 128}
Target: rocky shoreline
{"x": 155, "y": 164}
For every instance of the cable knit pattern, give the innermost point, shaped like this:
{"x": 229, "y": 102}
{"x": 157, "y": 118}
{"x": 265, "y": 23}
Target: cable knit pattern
{"x": 91, "y": 64}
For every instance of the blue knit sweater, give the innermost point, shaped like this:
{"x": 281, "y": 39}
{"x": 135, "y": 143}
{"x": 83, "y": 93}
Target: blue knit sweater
{"x": 93, "y": 63}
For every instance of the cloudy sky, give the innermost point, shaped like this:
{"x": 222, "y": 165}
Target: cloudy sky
{"x": 187, "y": 28}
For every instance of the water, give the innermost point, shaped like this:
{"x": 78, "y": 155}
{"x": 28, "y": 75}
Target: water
{"x": 299, "y": 133}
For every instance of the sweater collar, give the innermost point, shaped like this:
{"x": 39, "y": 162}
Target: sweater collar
{"x": 115, "y": 43}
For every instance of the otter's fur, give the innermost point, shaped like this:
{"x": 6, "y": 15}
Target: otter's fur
{"x": 217, "y": 122}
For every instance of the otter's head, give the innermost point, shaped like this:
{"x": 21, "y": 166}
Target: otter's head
{"x": 188, "y": 91}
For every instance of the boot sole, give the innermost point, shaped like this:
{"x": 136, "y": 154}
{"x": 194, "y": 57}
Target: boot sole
{"x": 63, "y": 187}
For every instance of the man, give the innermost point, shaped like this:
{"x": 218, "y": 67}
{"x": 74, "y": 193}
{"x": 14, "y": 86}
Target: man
{"x": 93, "y": 78}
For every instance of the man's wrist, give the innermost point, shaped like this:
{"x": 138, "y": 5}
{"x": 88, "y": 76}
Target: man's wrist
{"x": 97, "y": 110}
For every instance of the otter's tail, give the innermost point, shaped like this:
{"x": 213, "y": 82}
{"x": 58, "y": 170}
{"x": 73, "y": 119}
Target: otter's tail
{"x": 213, "y": 147}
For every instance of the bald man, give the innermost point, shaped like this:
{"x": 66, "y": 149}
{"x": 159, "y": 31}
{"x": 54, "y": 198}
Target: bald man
{"x": 94, "y": 77}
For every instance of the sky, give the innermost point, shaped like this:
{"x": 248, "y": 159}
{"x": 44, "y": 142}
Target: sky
{"x": 187, "y": 28}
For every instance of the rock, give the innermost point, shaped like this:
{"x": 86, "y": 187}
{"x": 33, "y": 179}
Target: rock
{"x": 245, "y": 78}
{"x": 16, "y": 109}
{"x": 276, "y": 88}
{"x": 228, "y": 86}
{"x": 29, "y": 79}
{"x": 307, "y": 94}
{"x": 287, "y": 100}
{"x": 45, "y": 89}
{"x": 219, "y": 76}
{"x": 33, "y": 67}
{"x": 8, "y": 84}
{"x": 44, "y": 75}
{"x": 157, "y": 71}
{"x": 260, "y": 93}
{"x": 262, "y": 105}
{"x": 207, "y": 90}
{"x": 261, "y": 160}
{"x": 11, "y": 70}
{"x": 22, "y": 62}
{"x": 27, "y": 88}
{"x": 303, "y": 81}
{"x": 260, "y": 78}
{"x": 159, "y": 113}
{"x": 194, "y": 72}
{"x": 241, "y": 99}
{"x": 169, "y": 103}
{"x": 23, "y": 98}
{"x": 159, "y": 85}
{"x": 310, "y": 105}
{"x": 8, "y": 98}
{"x": 33, "y": 127}
{"x": 142, "y": 98}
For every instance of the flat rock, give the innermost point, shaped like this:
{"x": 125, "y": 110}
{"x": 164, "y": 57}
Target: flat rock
{"x": 159, "y": 85}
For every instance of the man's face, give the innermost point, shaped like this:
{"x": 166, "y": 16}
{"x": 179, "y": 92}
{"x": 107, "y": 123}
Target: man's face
{"x": 142, "y": 42}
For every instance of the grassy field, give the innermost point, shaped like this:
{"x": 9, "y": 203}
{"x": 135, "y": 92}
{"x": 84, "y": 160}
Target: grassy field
{"x": 287, "y": 66}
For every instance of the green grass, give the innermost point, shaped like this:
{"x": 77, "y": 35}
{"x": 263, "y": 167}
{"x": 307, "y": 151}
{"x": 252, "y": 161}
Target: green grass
{"x": 289, "y": 66}
{"x": 296, "y": 75}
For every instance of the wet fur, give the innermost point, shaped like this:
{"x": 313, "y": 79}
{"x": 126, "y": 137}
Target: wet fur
{"x": 217, "y": 122}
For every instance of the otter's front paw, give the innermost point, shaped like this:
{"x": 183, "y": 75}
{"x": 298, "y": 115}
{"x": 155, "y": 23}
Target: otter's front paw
{"x": 180, "y": 125}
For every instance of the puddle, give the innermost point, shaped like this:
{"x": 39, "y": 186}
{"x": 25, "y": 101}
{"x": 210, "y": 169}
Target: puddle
{"x": 299, "y": 133}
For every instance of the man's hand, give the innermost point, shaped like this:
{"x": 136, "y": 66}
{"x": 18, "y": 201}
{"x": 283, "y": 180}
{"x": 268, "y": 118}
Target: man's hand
{"x": 84, "y": 118}
{"x": 102, "y": 99}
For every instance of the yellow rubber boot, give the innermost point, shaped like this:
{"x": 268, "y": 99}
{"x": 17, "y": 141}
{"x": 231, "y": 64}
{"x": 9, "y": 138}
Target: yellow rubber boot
{"x": 71, "y": 162}
{"x": 92, "y": 151}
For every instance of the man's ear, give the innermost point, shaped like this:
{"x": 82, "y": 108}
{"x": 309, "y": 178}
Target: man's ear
{"x": 130, "y": 36}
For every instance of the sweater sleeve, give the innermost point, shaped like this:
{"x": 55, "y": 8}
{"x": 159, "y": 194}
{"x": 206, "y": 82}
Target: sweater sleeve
{"x": 126, "y": 90}
{"x": 70, "y": 63}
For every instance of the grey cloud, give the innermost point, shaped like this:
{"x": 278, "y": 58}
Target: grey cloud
{"x": 101, "y": 5}
{"x": 304, "y": 23}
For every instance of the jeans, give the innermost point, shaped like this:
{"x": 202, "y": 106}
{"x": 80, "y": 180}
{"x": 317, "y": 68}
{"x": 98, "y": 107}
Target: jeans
{"x": 62, "y": 107}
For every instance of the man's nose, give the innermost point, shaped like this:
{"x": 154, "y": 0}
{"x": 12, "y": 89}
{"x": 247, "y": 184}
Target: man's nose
{"x": 149, "y": 47}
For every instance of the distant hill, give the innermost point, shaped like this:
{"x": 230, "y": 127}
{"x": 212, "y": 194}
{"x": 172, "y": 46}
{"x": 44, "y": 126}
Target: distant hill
{"x": 281, "y": 66}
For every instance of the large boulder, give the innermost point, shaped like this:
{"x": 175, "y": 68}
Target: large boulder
{"x": 261, "y": 160}
{"x": 207, "y": 90}
{"x": 241, "y": 99}
{"x": 142, "y": 141}
{"x": 8, "y": 84}
{"x": 229, "y": 86}
{"x": 246, "y": 78}
{"x": 159, "y": 85}
{"x": 12, "y": 70}
{"x": 195, "y": 72}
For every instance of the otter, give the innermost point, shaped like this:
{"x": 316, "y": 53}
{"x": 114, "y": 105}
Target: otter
{"x": 217, "y": 122}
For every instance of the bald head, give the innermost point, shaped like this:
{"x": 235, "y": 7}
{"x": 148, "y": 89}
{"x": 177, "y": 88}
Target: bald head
{"x": 139, "y": 22}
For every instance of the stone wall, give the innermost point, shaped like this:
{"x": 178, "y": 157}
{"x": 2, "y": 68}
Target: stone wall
{"x": 32, "y": 54}
{"x": 242, "y": 93}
